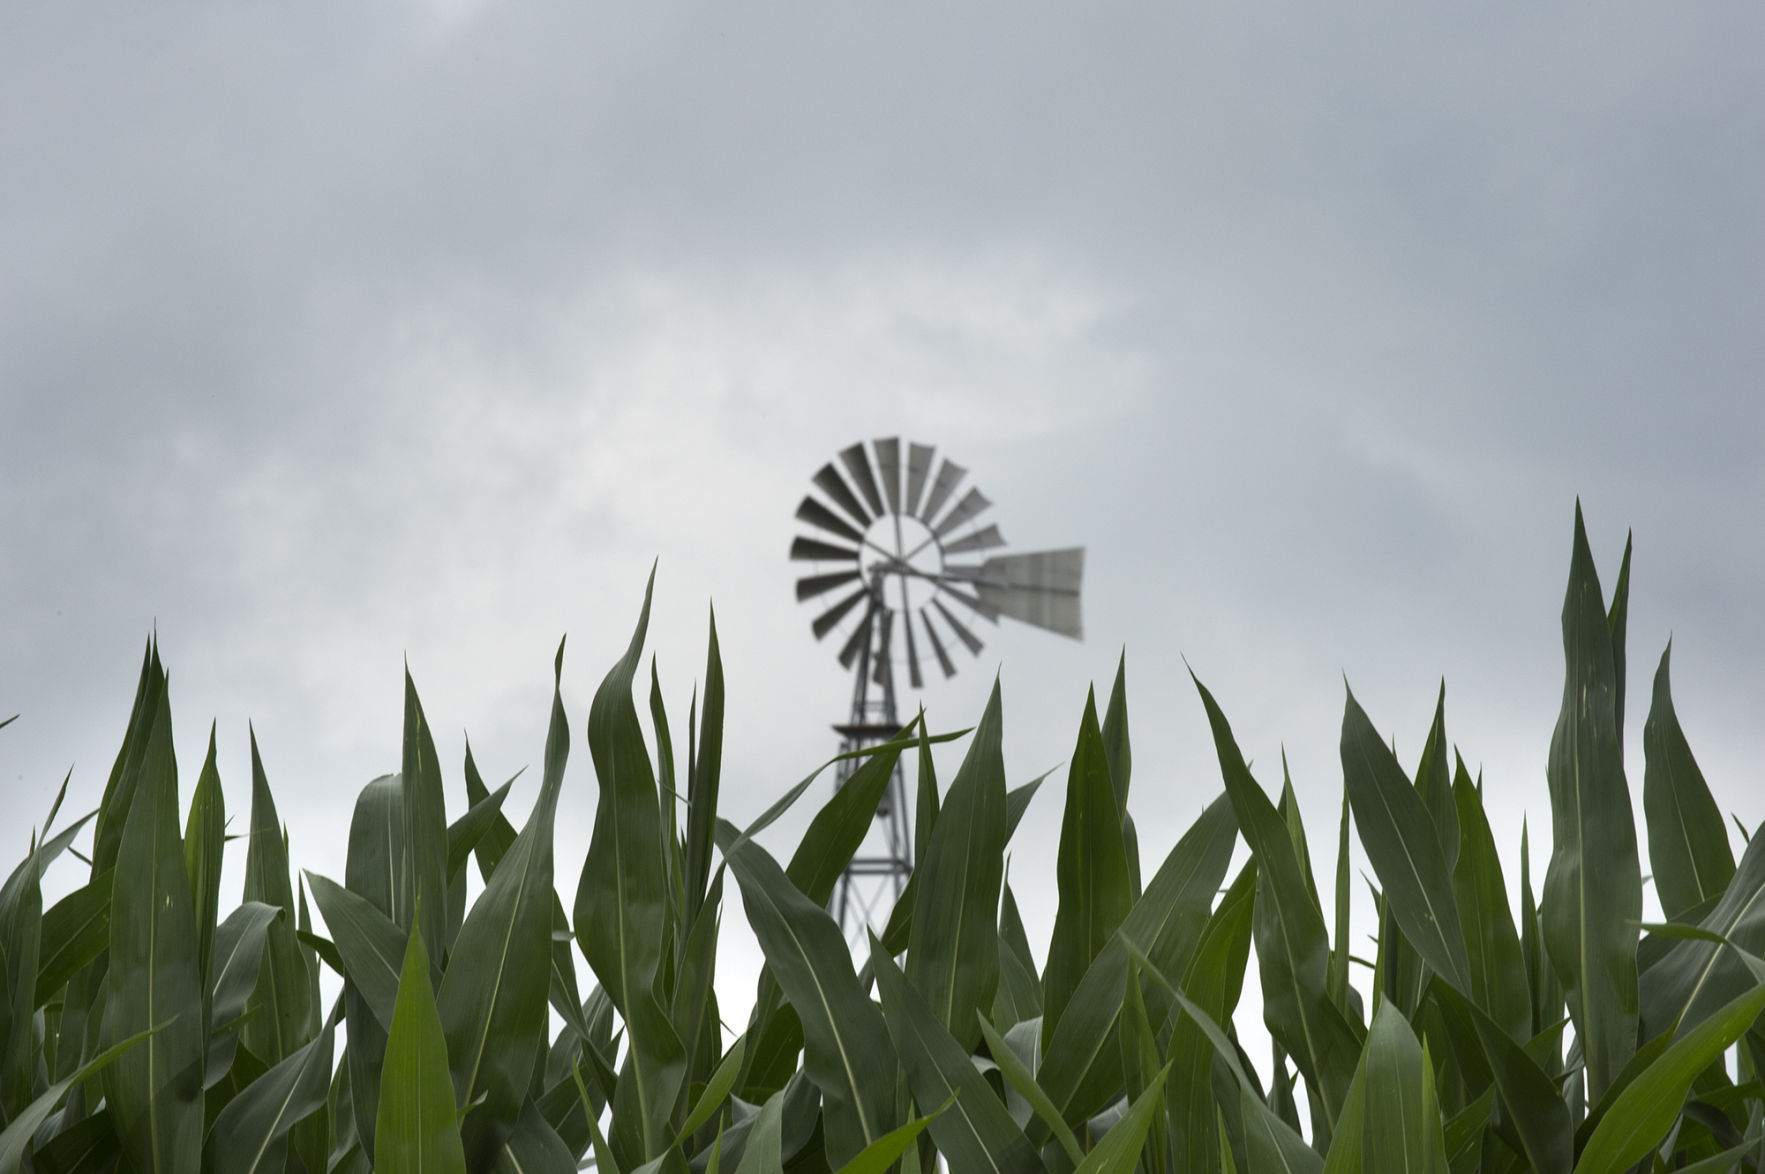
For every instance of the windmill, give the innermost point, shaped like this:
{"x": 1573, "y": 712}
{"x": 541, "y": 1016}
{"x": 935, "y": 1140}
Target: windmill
{"x": 895, "y": 549}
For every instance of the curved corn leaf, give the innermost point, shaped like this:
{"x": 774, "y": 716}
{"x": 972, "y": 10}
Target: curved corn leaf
{"x": 1019, "y": 1076}
{"x": 238, "y": 955}
{"x": 1214, "y": 979}
{"x": 246, "y": 1136}
{"x": 370, "y": 944}
{"x": 1400, "y": 1128}
{"x": 76, "y": 930}
{"x": 371, "y": 872}
{"x": 16, "y": 1138}
{"x": 417, "y": 1130}
{"x": 1593, "y": 887}
{"x": 204, "y": 844}
{"x": 1403, "y": 844}
{"x": 1498, "y": 967}
{"x": 1273, "y": 1144}
{"x": 882, "y": 1153}
{"x": 1688, "y": 842}
{"x": 534, "y": 1147}
{"x": 953, "y": 950}
{"x": 155, "y": 1092}
{"x": 976, "y": 1133}
{"x": 762, "y": 1153}
{"x": 621, "y": 904}
{"x": 847, "y": 1050}
{"x": 1119, "y": 1150}
{"x": 1092, "y": 871}
{"x": 1292, "y": 946}
{"x": 284, "y": 1014}
{"x": 1648, "y": 1107}
{"x": 492, "y": 1001}
{"x": 1697, "y": 976}
{"x": 424, "y": 861}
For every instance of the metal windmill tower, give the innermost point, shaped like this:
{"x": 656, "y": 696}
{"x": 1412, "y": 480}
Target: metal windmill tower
{"x": 898, "y": 544}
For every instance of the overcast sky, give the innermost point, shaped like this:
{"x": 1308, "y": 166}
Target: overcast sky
{"x": 333, "y": 334}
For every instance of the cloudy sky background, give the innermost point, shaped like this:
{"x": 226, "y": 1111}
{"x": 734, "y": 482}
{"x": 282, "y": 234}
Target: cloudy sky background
{"x": 335, "y": 336}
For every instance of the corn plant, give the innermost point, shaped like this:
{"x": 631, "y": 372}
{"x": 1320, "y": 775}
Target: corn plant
{"x": 144, "y": 1030}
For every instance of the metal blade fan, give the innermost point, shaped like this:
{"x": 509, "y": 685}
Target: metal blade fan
{"x": 894, "y": 548}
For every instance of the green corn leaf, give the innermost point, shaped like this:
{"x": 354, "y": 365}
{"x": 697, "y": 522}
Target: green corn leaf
{"x": 248, "y": 1134}
{"x": 1091, "y": 868}
{"x": 418, "y": 1129}
{"x": 1018, "y": 1074}
{"x": 1292, "y": 945}
{"x": 1119, "y": 1150}
{"x": 762, "y": 1153}
{"x": 847, "y": 1049}
{"x": 493, "y": 995}
{"x": 371, "y": 872}
{"x": 1347, "y": 1151}
{"x": 534, "y": 1147}
{"x": 1697, "y": 975}
{"x": 239, "y": 946}
{"x": 1647, "y": 1108}
{"x": 16, "y": 1138}
{"x": 204, "y": 842}
{"x": 1531, "y": 1100}
{"x": 1593, "y": 887}
{"x": 1498, "y": 967}
{"x": 21, "y": 939}
{"x": 76, "y": 930}
{"x": 1688, "y": 843}
{"x": 425, "y": 827}
{"x": 486, "y": 813}
{"x": 705, "y": 779}
{"x": 882, "y": 1153}
{"x": 155, "y": 1092}
{"x": 1080, "y": 1066}
{"x": 370, "y": 944}
{"x": 284, "y": 1014}
{"x": 621, "y": 905}
{"x": 953, "y": 950}
{"x": 1401, "y": 1128}
{"x": 716, "y": 1091}
{"x": 1273, "y": 1144}
{"x": 125, "y": 773}
{"x": 976, "y": 1133}
{"x": 838, "y": 829}
{"x": 1403, "y": 844}
{"x": 1214, "y": 980}
{"x": 1336, "y": 977}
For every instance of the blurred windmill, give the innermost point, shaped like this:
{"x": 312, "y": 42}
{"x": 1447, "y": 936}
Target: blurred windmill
{"x": 895, "y": 546}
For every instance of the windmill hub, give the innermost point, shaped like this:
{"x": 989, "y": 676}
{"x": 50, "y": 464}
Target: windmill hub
{"x": 904, "y": 553}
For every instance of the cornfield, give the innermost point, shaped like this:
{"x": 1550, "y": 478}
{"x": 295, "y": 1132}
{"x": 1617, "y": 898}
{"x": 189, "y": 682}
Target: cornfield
{"x": 146, "y": 1029}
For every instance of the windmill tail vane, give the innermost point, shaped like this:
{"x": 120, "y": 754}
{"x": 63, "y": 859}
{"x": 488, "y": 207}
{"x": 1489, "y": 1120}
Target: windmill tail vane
{"x": 894, "y": 545}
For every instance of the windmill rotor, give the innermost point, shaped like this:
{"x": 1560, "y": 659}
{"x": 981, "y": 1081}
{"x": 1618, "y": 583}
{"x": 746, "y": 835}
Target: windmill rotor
{"x": 891, "y": 533}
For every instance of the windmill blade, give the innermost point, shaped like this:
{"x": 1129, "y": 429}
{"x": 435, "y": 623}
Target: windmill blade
{"x": 919, "y": 465}
{"x": 825, "y": 622}
{"x": 974, "y": 603}
{"x": 816, "y": 514}
{"x": 829, "y": 481}
{"x": 984, "y": 539}
{"x": 856, "y": 641}
{"x": 810, "y": 587}
{"x": 811, "y": 550}
{"x": 913, "y": 677}
{"x": 1040, "y": 588}
{"x": 937, "y": 645}
{"x": 972, "y": 504}
{"x": 888, "y": 464}
{"x": 962, "y": 633}
{"x": 950, "y": 475}
{"x": 858, "y": 465}
{"x": 969, "y": 573}
{"x": 883, "y": 670}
